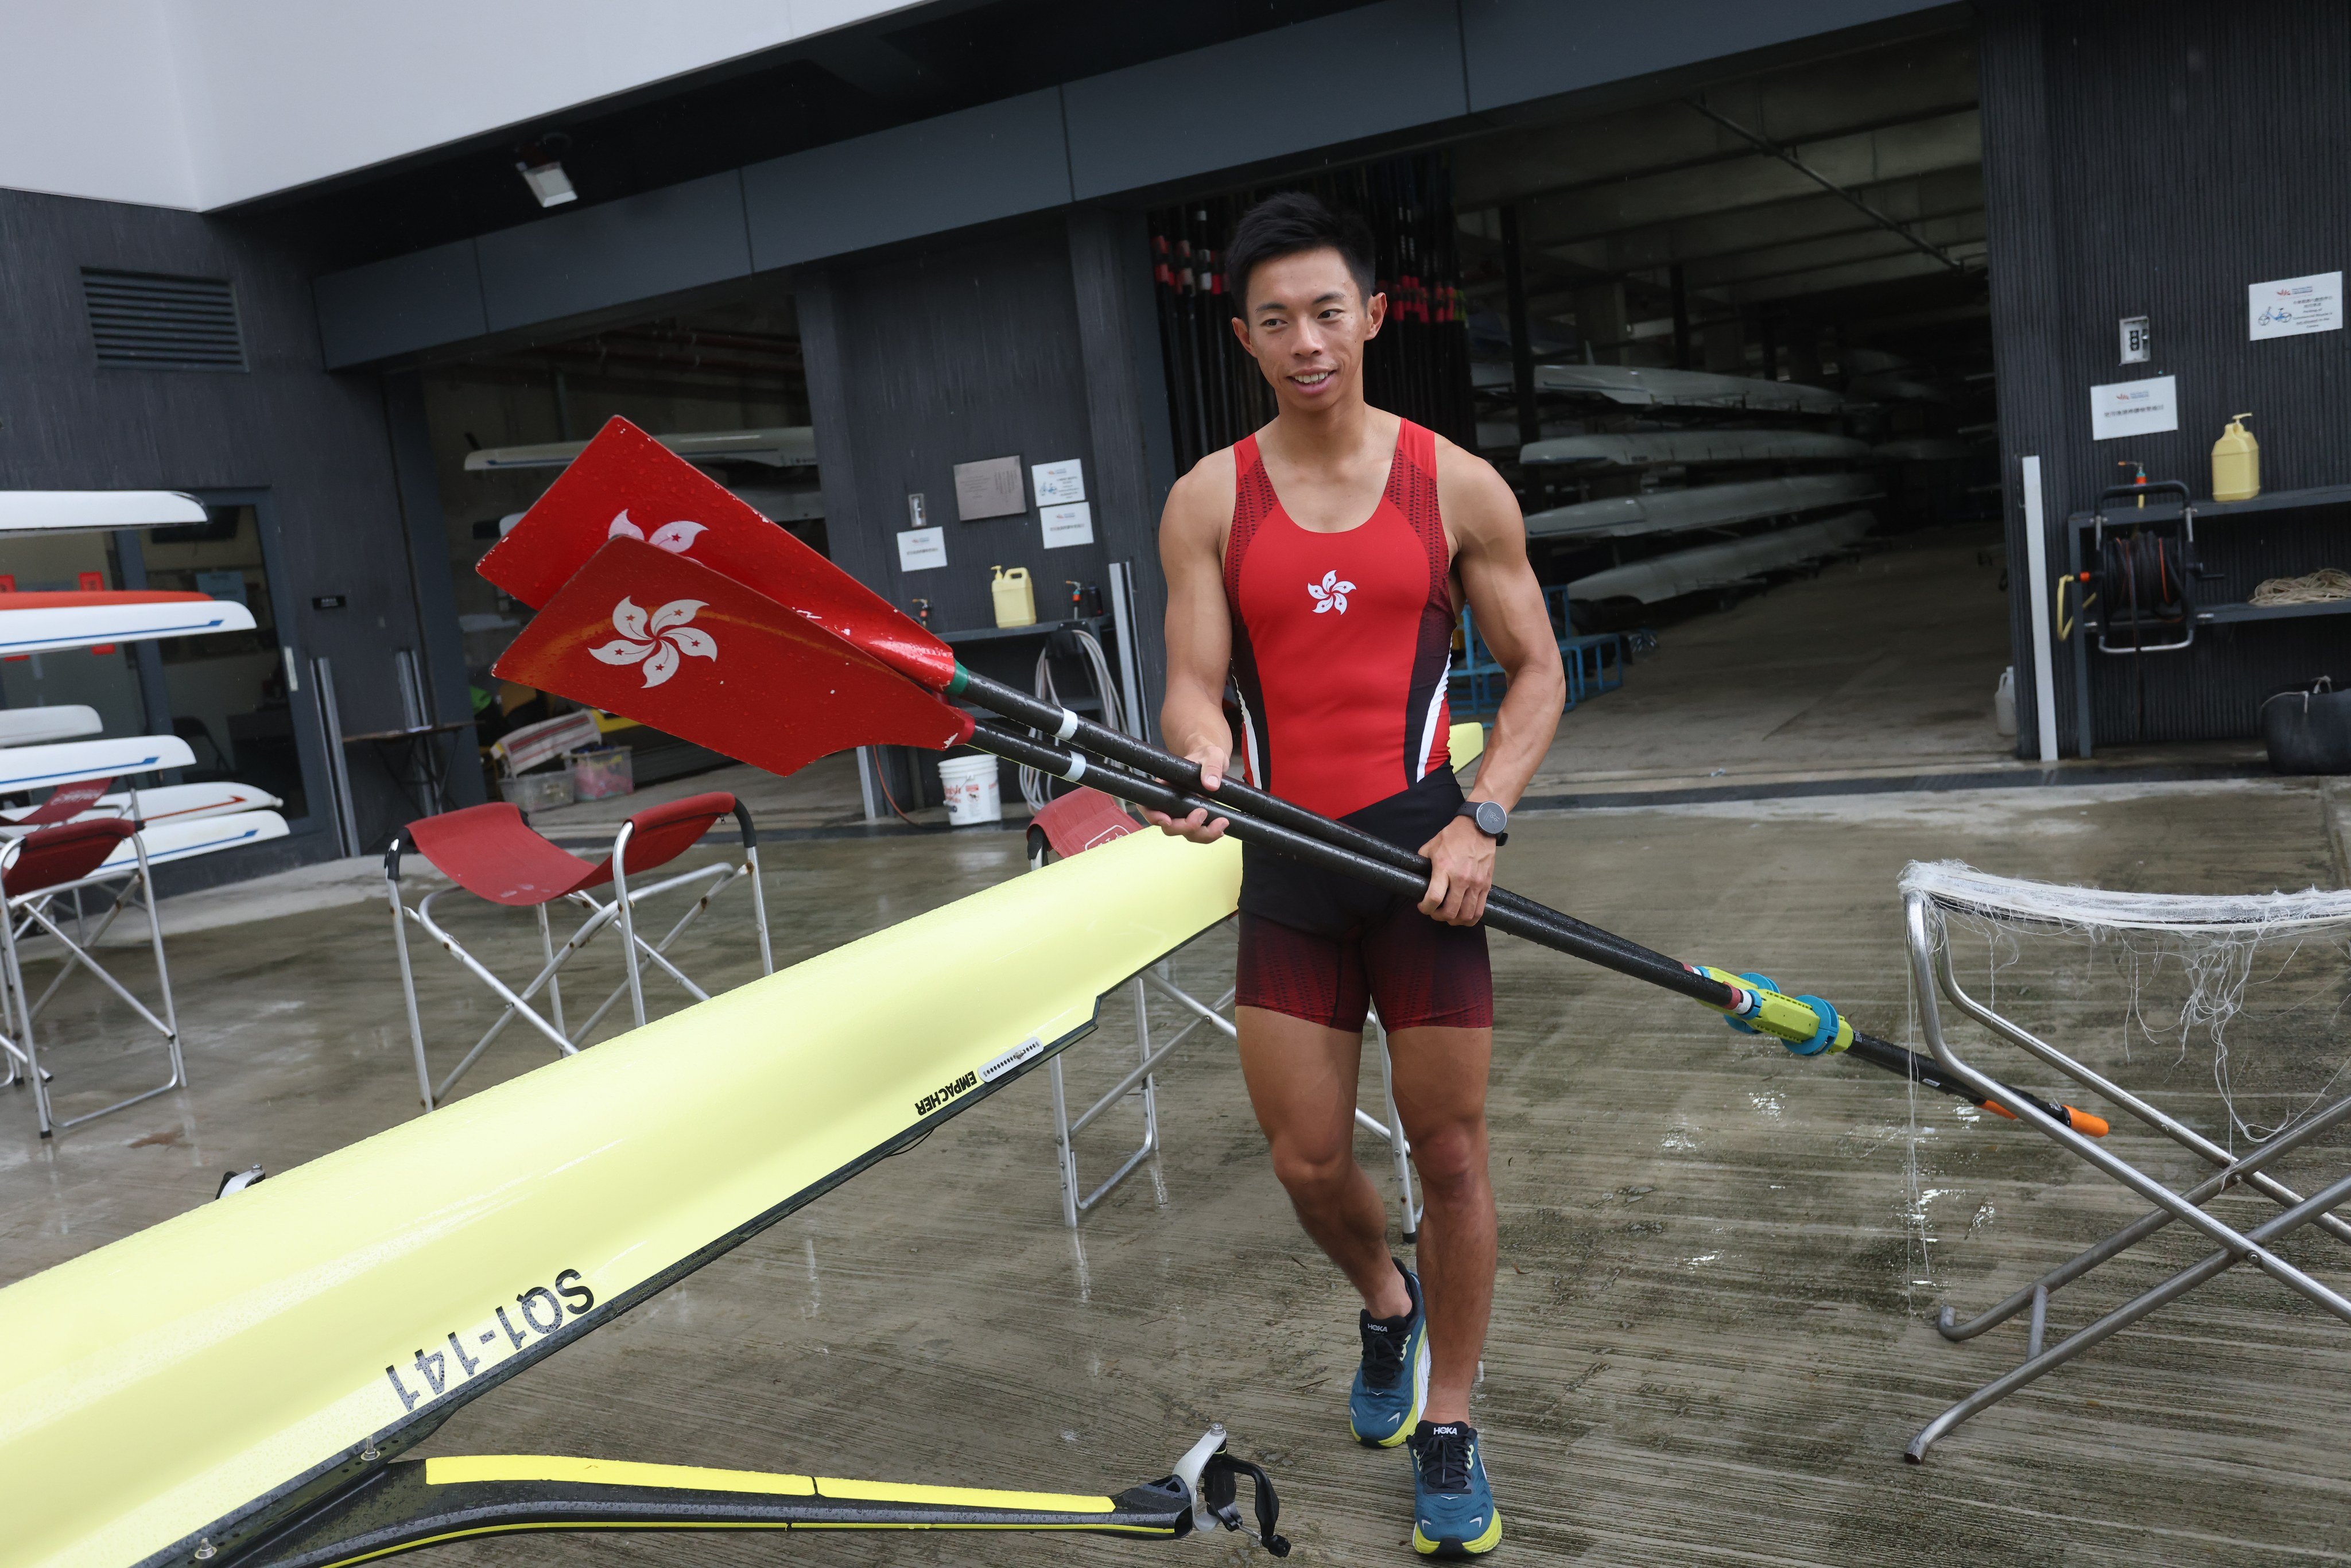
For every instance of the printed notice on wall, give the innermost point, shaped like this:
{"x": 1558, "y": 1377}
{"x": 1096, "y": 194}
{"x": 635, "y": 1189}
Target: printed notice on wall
{"x": 1069, "y": 525}
{"x": 922, "y": 549}
{"x": 2134, "y": 408}
{"x": 2292, "y": 306}
{"x": 1059, "y": 484}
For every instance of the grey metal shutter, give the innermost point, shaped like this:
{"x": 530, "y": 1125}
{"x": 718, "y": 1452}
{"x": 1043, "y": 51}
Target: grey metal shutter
{"x": 142, "y": 320}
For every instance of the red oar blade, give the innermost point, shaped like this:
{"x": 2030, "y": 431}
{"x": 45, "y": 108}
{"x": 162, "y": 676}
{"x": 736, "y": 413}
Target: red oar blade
{"x": 626, "y": 484}
{"x": 649, "y": 634}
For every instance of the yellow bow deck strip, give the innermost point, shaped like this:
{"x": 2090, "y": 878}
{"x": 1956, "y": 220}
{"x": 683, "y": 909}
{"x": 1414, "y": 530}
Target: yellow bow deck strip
{"x": 174, "y": 1396}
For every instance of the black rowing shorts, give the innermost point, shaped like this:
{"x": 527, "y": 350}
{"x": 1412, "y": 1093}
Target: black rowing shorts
{"x": 1323, "y": 946}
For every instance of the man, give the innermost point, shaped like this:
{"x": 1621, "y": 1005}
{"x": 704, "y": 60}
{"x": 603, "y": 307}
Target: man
{"x": 1321, "y": 564}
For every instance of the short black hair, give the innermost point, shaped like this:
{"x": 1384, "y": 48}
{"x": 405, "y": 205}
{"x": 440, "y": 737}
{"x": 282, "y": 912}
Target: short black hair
{"x": 1291, "y": 223}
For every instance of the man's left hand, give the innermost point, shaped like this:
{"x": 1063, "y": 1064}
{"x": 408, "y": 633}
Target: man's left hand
{"x": 1461, "y": 873}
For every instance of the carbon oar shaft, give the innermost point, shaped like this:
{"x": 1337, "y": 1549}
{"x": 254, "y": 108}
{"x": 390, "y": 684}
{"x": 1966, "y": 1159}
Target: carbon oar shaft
{"x": 1039, "y": 715}
{"x": 1560, "y": 933}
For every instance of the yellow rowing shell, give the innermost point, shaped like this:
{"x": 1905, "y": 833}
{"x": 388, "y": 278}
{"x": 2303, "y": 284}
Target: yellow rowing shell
{"x": 166, "y": 1396}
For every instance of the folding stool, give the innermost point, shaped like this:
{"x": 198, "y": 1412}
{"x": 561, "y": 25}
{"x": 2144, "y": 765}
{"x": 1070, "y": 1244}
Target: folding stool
{"x": 34, "y": 871}
{"x": 1929, "y": 893}
{"x": 490, "y": 851}
{"x": 1076, "y": 822}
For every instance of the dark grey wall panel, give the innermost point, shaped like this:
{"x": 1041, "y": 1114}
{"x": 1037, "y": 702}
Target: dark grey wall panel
{"x": 312, "y": 443}
{"x": 1522, "y": 50}
{"x": 663, "y": 241}
{"x": 1364, "y": 72}
{"x": 398, "y": 306}
{"x": 998, "y": 161}
{"x": 1126, "y": 399}
{"x": 942, "y": 356}
{"x": 2204, "y": 188}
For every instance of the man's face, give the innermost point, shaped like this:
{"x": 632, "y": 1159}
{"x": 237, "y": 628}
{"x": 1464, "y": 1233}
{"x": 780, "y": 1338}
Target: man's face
{"x": 1306, "y": 322}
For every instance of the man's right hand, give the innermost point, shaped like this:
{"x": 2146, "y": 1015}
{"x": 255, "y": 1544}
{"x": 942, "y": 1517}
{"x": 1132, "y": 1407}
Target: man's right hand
{"x": 1199, "y": 827}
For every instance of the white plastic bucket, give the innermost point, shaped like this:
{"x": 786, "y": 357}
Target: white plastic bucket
{"x": 972, "y": 791}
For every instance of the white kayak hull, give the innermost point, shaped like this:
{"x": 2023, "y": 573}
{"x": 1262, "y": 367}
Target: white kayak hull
{"x": 1692, "y": 448}
{"x": 86, "y": 511}
{"x": 186, "y": 840}
{"x": 1702, "y": 507}
{"x": 32, "y": 725}
{"x": 170, "y": 803}
{"x": 40, "y": 631}
{"x": 1638, "y": 387}
{"x": 1694, "y": 570}
{"x": 45, "y": 766}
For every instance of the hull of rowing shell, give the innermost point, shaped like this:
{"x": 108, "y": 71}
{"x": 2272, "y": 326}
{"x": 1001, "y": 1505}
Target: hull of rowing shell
{"x": 174, "y": 1379}
{"x": 40, "y": 767}
{"x": 87, "y": 625}
{"x": 172, "y": 803}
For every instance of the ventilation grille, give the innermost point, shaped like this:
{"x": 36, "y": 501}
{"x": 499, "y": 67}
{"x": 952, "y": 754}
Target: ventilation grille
{"x": 144, "y": 321}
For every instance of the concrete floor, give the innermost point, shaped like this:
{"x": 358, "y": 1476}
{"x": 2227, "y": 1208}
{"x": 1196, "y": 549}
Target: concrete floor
{"x": 1711, "y": 1337}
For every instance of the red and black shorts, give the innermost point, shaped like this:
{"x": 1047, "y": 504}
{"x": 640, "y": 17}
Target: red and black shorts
{"x": 1320, "y": 946}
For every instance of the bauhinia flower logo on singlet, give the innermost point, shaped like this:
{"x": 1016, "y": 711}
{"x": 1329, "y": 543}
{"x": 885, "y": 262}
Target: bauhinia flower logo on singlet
{"x": 1330, "y": 593}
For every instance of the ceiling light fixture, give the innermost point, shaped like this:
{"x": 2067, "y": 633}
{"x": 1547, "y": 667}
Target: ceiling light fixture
{"x": 540, "y": 164}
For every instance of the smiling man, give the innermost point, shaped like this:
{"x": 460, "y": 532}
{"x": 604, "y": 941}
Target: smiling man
{"x": 1320, "y": 566}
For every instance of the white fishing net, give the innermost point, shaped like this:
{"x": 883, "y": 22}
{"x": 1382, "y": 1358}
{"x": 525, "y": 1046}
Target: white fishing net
{"x": 2231, "y": 1012}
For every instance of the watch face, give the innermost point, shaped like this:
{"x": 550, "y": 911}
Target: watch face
{"x": 1492, "y": 818}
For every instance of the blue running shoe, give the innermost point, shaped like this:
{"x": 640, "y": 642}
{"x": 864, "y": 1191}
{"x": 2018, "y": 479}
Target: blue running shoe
{"x": 1392, "y": 1384}
{"x": 1453, "y": 1512}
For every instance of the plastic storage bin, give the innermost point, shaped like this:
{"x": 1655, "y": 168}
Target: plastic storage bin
{"x": 601, "y": 772}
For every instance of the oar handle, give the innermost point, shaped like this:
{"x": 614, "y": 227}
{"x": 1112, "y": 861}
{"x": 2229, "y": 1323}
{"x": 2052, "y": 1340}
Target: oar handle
{"x": 1928, "y": 1074}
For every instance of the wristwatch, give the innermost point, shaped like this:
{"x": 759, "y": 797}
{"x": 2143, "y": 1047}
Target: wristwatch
{"x": 1492, "y": 818}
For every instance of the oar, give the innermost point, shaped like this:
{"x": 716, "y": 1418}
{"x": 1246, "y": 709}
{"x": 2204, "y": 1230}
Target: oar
{"x": 649, "y": 633}
{"x": 626, "y": 484}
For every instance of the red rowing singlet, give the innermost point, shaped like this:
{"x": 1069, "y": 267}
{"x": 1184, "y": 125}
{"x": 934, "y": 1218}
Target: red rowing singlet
{"x": 1342, "y": 641}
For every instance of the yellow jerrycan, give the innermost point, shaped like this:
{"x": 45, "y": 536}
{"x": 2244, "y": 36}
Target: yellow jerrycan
{"x": 1015, "y": 598}
{"x": 2236, "y": 463}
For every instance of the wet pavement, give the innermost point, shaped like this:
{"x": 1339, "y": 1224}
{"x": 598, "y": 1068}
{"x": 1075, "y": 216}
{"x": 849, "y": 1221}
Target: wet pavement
{"x": 1718, "y": 1262}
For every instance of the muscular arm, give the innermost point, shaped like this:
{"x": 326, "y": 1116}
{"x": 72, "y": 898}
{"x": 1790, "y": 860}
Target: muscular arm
{"x": 1490, "y": 555}
{"x": 1199, "y": 632}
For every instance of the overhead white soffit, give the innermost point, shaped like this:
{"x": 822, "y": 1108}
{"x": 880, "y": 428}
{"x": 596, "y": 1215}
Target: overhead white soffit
{"x": 779, "y": 447}
{"x": 81, "y": 511}
{"x": 201, "y": 104}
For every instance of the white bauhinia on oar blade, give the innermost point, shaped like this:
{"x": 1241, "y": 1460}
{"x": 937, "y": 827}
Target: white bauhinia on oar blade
{"x": 655, "y": 636}
{"x": 625, "y": 485}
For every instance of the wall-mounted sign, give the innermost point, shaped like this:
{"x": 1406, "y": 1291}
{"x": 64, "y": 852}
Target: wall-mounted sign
{"x": 222, "y": 585}
{"x": 919, "y": 549}
{"x": 2136, "y": 339}
{"x": 918, "y": 514}
{"x": 1064, "y": 526}
{"x": 337, "y": 600}
{"x": 2134, "y": 408}
{"x": 1059, "y": 484}
{"x": 988, "y": 488}
{"x": 2292, "y": 306}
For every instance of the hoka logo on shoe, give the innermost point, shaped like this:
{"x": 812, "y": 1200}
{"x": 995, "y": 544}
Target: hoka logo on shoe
{"x": 1331, "y": 593}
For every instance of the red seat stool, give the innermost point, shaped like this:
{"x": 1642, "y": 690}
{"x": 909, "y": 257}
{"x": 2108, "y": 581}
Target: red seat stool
{"x": 34, "y": 871}
{"x": 490, "y": 851}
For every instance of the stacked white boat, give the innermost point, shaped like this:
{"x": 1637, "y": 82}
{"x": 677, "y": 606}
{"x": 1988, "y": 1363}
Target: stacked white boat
{"x": 53, "y": 758}
{"x": 1806, "y": 515}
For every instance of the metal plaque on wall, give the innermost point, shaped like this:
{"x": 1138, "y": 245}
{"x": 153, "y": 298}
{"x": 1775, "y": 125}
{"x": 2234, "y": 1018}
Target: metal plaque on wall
{"x": 989, "y": 488}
